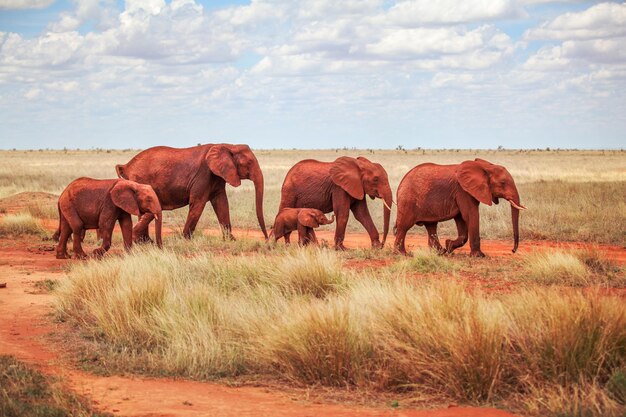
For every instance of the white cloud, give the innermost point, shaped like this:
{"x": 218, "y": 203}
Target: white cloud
{"x": 416, "y": 12}
{"x": 33, "y": 94}
{"x": 25, "y": 4}
{"x": 590, "y": 38}
{"x": 257, "y": 12}
{"x": 599, "y": 21}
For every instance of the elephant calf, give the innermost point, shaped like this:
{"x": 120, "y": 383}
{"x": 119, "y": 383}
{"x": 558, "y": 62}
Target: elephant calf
{"x": 87, "y": 203}
{"x": 304, "y": 220}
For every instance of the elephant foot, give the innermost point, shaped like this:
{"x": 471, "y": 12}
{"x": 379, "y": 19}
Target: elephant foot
{"x": 141, "y": 239}
{"x": 339, "y": 246}
{"x": 229, "y": 236}
{"x": 81, "y": 255}
{"x": 63, "y": 255}
{"x": 477, "y": 254}
{"x": 98, "y": 253}
{"x": 376, "y": 244}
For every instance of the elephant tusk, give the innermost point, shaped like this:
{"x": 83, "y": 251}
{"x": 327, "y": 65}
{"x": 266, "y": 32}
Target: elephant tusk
{"x": 156, "y": 216}
{"x": 385, "y": 203}
{"x": 519, "y": 207}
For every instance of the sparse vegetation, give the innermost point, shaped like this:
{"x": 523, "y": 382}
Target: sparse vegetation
{"x": 425, "y": 261}
{"x": 25, "y": 392}
{"x": 573, "y": 268}
{"x": 20, "y": 224}
{"x": 302, "y": 317}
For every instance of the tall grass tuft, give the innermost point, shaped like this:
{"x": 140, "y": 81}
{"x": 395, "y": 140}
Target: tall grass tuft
{"x": 20, "y": 224}
{"x": 425, "y": 261}
{"x": 573, "y": 268}
{"x": 556, "y": 267}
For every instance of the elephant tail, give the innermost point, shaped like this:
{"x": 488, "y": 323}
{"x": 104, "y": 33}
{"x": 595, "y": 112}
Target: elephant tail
{"x": 57, "y": 233}
{"x": 120, "y": 171}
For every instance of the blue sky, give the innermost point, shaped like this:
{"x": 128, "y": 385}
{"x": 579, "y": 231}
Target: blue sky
{"x": 313, "y": 73}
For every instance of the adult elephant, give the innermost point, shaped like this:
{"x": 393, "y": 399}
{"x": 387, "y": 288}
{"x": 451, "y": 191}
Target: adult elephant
{"x": 193, "y": 176}
{"x": 339, "y": 186}
{"x": 431, "y": 193}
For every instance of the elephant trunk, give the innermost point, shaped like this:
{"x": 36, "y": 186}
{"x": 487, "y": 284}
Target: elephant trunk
{"x": 388, "y": 199}
{"x": 158, "y": 225}
{"x": 257, "y": 179}
{"x": 332, "y": 218}
{"x": 516, "y": 206}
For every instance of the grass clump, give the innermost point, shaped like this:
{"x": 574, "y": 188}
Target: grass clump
{"x": 320, "y": 343}
{"x": 20, "y": 224}
{"x": 193, "y": 316}
{"x": 573, "y": 268}
{"x": 425, "y": 261}
{"x": 25, "y": 392}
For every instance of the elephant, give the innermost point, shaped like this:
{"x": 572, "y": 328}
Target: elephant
{"x": 193, "y": 176}
{"x": 304, "y": 220}
{"x": 88, "y": 203}
{"x": 340, "y": 187}
{"x": 431, "y": 193}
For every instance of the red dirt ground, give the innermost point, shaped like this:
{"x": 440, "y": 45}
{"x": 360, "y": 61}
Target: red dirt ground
{"x": 25, "y": 322}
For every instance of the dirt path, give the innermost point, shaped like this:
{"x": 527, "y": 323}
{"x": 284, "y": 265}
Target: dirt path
{"x": 25, "y": 321}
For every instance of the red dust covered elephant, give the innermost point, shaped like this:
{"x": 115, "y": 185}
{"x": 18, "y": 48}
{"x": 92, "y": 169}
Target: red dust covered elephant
{"x": 431, "y": 193}
{"x": 194, "y": 176}
{"x": 88, "y": 203}
{"x": 340, "y": 186}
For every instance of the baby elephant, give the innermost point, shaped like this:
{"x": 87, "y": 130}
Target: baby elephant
{"x": 87, "y": 203}
{"x": 302, "y": 219}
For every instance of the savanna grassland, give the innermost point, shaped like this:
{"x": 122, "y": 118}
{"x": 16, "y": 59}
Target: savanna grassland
{"x": 540, "y": 333}
{"x": 571, "y": 195}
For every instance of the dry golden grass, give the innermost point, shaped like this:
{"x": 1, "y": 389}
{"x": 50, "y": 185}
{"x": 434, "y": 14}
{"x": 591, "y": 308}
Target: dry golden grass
{"x": 20, "y": 224}
{"x": 27, "y": 392}
{"x": 573, "y": 268}
{"x": 303, "y": 317}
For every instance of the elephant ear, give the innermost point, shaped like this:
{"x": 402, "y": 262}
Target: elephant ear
{"x": 222, "y": 163}
{"x": 307, "y": 218}
{"x": 124, "y": 197}
{"x": 346, "y": 173}
{"x": 473, "y": 179}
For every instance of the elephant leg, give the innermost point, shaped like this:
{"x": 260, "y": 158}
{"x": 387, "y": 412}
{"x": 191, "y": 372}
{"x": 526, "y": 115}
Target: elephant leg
{"x": 302, "y": 235}
{"x": 433, "y": 238}
{"x": 472, "y": 218}
{"x": 222, "y": 211}
{"x": 287, "y": 236}
{"x": 196, "y": 207}
{"x": 311, "y": 236}
{"x": 126, "y": 224}
{"x": 362, "y": 214}
{"x": 77, "y": 231}
{"x": 64, "y": 234}
{"x": 106, "y": 233}
{"x": 461, "y": 239}
{"x": 341, "y": 208}
{"x": 140, "y": 231}
{"x": 403, "y": 225}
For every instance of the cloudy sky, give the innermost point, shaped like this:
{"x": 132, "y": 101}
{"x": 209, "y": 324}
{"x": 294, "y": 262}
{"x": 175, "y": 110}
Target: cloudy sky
{"x": 313, "y": 73}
